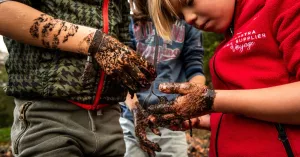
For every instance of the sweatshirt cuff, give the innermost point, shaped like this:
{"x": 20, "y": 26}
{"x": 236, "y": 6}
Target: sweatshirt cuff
{"x": 193, "y": 71}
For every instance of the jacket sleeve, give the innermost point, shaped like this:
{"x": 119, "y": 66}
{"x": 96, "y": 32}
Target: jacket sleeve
{"x": 192, "y": 52}
{"x": 131, "y": 34}
{"x": 288, "y": 36}
{"x": 124, "y": 36}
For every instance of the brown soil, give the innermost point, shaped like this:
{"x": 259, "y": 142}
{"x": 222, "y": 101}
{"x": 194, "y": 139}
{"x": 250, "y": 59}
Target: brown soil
{"x": 198, "y": 145}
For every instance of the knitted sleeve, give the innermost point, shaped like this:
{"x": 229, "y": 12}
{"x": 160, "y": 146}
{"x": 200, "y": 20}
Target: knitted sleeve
{"x": 192, "y": 52}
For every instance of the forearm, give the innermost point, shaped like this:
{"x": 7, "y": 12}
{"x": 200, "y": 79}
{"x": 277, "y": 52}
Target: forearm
{"x": 25, "y": 24}
{"x": 275, "y": 104}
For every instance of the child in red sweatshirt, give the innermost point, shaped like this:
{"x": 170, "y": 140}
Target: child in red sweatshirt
{"x": 255, "y": 107}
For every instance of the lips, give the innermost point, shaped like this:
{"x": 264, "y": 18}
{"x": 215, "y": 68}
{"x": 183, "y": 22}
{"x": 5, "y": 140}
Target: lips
{"x": 202, "y": 26}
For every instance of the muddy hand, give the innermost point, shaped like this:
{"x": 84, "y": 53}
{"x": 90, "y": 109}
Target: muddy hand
{"x": 141, "y": 122}
{"x": 125, "y": 64}
{"x": 196, "y": 100}
{"x": 160, "y": 121}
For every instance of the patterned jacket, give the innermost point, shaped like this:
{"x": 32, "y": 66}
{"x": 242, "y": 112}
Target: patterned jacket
{"x": 44, "y": 73}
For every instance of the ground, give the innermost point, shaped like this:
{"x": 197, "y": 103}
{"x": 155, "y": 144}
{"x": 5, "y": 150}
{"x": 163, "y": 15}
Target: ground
{"x": 198, "y": 144}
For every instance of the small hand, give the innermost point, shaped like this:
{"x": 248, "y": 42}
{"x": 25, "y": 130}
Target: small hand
{"x": 141, "y": 122}
{"x": 196, "y": 100}
{"x": 125, "y": 64}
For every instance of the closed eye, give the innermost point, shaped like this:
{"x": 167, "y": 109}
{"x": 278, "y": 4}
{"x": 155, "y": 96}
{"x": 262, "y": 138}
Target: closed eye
{"x": 190, "y": 3}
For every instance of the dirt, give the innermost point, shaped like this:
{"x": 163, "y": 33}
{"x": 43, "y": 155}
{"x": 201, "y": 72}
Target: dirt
{"x": 198, "y": 145}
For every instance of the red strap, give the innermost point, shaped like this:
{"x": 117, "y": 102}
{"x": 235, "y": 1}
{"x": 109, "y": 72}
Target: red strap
{"x": 105, "y": 16}
{"x": 105, "y": 30}
{"x": 96, "y": 105}
{"x": 88, "y": 106}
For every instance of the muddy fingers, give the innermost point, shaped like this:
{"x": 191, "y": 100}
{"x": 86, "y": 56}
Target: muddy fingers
{"x": 142, "y": 122}
{"x": 115, "y": 59}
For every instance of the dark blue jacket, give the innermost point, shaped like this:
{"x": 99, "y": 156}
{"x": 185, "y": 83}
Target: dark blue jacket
{"x": 176, "y": 61}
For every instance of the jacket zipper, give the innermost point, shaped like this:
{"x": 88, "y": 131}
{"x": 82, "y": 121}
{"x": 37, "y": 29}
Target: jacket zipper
{"x": 215, "y": 70}
{"x": 155, "y": 64}
{"x": 22, "y": 117}
{"x": 217, "y": 136}
{"x": 102, "y": 74}
{"x": 282, "y": 136}
{"x": 231, "y": 31}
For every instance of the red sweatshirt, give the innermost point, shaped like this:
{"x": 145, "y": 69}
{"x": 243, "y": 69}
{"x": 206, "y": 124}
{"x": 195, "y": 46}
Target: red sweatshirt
{"x": 264, "y": 51}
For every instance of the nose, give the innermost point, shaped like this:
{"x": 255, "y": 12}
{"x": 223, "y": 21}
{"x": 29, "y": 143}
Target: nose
{"x": 189, "y": 16}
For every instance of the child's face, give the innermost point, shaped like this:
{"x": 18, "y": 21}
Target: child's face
{"x": 207, "y": 15}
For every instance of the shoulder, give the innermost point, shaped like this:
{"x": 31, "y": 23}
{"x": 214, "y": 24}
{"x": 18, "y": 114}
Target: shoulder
{"x": 191, "y": 30}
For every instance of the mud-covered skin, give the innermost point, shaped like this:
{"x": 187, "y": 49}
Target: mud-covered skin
{"x": 125, "y": 64}
{"x": 144, "y": 119}
{"x": 116, "y": 59}
{"x": 34, "y": 29}
{"x": 71, "y": 32}
{"x": 85, "y": 43}
{"x": 196, "y": 100}
{"x": 141, "y": 122}
{"x": 43, "y": 27}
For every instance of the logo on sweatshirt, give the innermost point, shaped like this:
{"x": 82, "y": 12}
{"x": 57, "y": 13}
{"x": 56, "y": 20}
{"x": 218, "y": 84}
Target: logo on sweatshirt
{"x": 167, "y": 50}
{"x": 245, "y": 41}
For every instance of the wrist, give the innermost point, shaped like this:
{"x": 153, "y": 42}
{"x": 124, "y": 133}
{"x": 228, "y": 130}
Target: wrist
{"x": 133, "y": 110}
{"x": 131, "y": 104}
{"x": 93, "y": 48}
{"x": 96, "y": 43}
{"x": 209, "y": 97}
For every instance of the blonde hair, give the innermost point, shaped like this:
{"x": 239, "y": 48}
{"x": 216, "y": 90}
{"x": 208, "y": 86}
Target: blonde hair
{"x": 163, "y": 15}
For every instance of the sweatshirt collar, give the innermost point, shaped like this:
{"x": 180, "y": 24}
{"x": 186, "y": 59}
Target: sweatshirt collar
{"x": 244, "y": 10}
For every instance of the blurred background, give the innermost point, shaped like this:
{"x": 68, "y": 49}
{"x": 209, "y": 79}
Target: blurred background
{"x": 198, "y": 144}
{"x": 6, "y": 105}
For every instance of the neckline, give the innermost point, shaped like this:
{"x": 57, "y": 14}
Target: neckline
{"x": 231, "y": 27}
